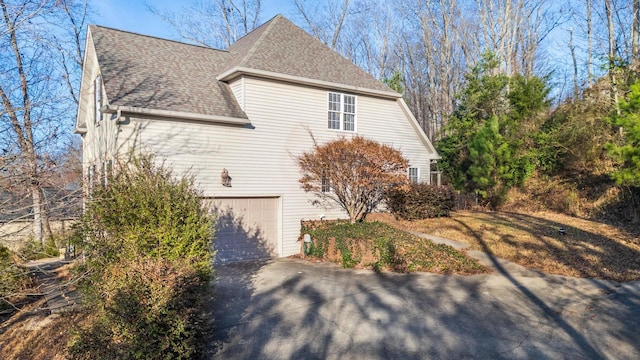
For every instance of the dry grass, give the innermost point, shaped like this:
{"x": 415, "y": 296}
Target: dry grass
{"x": 34, "y": 333}
{"x": 588, "y": 249}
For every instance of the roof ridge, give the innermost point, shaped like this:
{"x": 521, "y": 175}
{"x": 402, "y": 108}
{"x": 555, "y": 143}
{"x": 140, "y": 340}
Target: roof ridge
{"x": 155, "y": 37}
{"x": 256, "y": 44}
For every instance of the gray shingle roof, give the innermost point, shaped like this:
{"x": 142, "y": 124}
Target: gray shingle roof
{"x": 148, "y": 72}
{"x": 284, "y": 48}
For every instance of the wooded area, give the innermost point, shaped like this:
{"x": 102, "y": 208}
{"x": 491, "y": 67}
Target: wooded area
{"x": 529, "y": 95}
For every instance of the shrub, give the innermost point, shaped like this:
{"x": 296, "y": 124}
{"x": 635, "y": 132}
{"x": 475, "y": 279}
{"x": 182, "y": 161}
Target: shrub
{"x": 33, "y": 250}
{"x": 420, "y": 201}
{"x": 353, "y": 173}
{"x": 13, "y": 277}
{"x": 380, "y": 246}
{"x": 147, "y": 240}
{"x": 149, "y": 310}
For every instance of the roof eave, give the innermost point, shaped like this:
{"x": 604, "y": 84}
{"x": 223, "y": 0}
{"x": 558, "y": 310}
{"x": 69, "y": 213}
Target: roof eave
{"x": 182, "y": 115}
{"x": 237, "y": 71}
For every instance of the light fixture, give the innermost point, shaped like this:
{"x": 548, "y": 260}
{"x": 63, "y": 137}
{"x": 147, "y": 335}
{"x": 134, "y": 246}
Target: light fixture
{"x": 225, "y": 178}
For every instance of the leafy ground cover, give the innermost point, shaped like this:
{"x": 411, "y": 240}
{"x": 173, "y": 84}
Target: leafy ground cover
{"x": 380, "y": 246}
{"x": 587, "y": 249}
{"x": 35, "y": 333}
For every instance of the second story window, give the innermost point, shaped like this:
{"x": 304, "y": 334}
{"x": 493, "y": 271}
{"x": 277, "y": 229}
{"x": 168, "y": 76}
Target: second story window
{"x": 342, "y": 112}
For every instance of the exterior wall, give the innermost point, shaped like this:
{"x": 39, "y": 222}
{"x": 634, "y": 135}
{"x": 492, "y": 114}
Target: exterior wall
{"x": 99, "y": 143}
{"x": 238, "y": 91}
{"x": 261, "y": 159}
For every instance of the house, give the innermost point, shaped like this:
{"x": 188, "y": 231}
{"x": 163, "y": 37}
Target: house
{"x": 247, "y": 111}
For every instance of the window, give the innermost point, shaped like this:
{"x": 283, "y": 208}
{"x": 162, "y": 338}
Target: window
{"x": 325, "y": 183}
{"x": 414, "y": 174}
{"x": 342, "y": 112}
{"x": 98, "y": 100}
{"x": 436, "y": 174}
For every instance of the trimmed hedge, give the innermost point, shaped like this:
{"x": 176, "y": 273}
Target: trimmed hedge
{"x": 420, "y": 201}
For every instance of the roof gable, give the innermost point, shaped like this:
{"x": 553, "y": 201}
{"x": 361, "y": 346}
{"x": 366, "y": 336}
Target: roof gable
{"x": 144, "y": 72}
{"x": 279, "y": 46}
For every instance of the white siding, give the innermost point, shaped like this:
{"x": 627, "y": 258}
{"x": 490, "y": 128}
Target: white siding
{"x": 100, "y": 141}
{"x": 261, "y": 159}
{"x": 237, "y": 86}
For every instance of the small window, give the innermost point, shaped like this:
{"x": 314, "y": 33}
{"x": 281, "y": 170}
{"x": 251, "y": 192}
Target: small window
{"x": 98, "y": 100}
{"x": 414, "y": 174}
{"x": 342, "y": 112}
{"x": 325, "y": 183}
{"x": 436, "y": 174}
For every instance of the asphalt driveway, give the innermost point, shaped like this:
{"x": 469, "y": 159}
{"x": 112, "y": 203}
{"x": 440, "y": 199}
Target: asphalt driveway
{"x": 292, "y": 309}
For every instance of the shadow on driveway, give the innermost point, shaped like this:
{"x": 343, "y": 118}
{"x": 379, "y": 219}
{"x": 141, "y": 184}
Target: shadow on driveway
{"x": 290, "y": 309}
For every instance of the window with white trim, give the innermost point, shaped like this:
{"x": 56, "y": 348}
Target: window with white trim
{"x": 342, "y": 112}
{"x": 414, "y": 174}
{"x": 325, "y": 182}
{"x": 98, "y": 100}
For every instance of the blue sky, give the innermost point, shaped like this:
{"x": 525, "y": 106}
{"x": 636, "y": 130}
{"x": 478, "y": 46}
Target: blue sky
{"x": 132, "y": 15}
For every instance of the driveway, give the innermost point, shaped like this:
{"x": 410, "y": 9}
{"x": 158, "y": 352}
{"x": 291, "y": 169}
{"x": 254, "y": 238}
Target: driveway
{"x": 292, "y": 309}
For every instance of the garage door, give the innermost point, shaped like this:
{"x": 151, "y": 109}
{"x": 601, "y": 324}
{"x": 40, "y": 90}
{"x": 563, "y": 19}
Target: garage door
{"x": 246, "y": 228}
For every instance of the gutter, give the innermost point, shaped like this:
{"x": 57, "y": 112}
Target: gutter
{"x": 236, "y": 71}
{"x": 119, "y": 110}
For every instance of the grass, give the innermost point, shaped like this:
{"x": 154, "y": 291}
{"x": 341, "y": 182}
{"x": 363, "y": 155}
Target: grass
{"x": 380, "y": 246}
{"x": 588, "y": 249}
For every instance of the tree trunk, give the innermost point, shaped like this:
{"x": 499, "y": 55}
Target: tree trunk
{"x": 575, "y": 65}
{"x": 589, "y": 44}
{"x": 635, "y": 32}
{"x": 612, "y": 53}
{"x": 19, "y": 118}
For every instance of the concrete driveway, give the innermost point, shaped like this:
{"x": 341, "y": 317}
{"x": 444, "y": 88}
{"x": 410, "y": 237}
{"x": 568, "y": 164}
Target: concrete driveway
{"x": 292, "y": 309}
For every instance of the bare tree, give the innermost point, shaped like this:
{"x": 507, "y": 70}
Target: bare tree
{"x": 514, "y": 30}
{"x": 37, "y": 102}
{"x": 72, "y": 22}
{"x": 612, "y": 50}
{"x": 213, "y": 23}
{"x": 589, "y": 43}
{"x": 325, "y": 20}
{"x": 635, "y": 31}
{"x": 572, "y": 49}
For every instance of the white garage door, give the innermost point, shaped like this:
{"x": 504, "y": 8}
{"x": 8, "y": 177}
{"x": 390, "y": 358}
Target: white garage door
{"x": 246, "y": 228}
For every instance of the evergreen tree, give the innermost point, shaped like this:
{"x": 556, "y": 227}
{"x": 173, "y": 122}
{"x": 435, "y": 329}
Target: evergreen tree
{"x": 628, "y": 151}
{"x": 485, "y": 148}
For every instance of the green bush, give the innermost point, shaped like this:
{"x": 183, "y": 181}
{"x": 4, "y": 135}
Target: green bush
{"x": 13, "y": 277}
{"x": 147, "y": 240}
{"x": 33, "y": 250}
{"x": 420, "y": 201}
{"x": 149, "y": 310}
